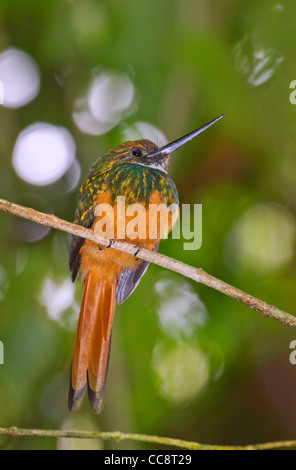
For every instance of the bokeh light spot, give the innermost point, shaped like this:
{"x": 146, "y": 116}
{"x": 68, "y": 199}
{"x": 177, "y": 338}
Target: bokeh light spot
{"x": 182, "y": 372}
{"x": 58, "y": 299}
{"x": 89, "y": 19}
{"x": 262, "y": 240}
{"x": 109, "y": 95}
{"x": 180, "y": 310}
{"x": 256, "y": 62}
{"x": 43, "y": 153}
{"x": 20, "y": 77}
{"x": 145, "y": 130}
{"x": 109, "y": 98}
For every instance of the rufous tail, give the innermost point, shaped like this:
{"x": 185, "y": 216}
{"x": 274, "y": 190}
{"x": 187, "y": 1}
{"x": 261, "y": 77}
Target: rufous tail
{"x": 92, "y": 344}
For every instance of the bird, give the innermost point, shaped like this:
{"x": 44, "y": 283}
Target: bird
{"x": 138, "y": 172}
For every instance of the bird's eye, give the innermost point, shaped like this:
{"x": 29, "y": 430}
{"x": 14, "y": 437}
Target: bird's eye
{"x": 137, "y": 152}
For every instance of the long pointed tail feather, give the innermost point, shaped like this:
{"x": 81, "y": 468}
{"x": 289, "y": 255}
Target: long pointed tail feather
{"x": 92, "y": 344}
{"x": 98, "y": 361}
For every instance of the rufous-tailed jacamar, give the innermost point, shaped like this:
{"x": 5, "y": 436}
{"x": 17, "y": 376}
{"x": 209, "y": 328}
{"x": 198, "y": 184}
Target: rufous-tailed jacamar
{"x": 136, "y": 170}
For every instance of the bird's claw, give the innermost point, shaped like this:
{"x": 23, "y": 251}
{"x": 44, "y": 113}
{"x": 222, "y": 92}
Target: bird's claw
{"x": 138, "y": 251}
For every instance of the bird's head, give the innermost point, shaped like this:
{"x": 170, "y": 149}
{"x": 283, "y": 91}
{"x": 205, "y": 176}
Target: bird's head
{"x": 146, "y": 153}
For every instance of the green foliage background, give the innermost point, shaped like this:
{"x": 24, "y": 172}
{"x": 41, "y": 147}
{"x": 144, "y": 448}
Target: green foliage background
{"x": 189, "y": 61}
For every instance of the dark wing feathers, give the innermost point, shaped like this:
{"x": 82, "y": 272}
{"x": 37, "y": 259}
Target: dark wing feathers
{"x": 74, "y": 258}
{"x": 84, "y": 216}
{"x": 129, "y": 279}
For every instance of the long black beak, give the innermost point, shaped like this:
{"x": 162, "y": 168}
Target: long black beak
{"x": 169, "y": 148}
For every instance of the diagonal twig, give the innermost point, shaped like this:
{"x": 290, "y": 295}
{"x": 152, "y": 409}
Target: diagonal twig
{"x": 196, "y": 274}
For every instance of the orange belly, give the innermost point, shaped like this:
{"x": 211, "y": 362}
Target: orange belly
{"x": 143, "y": 227}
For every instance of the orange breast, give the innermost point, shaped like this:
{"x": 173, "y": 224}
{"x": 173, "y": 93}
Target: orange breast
{"x": 136, "y": 224}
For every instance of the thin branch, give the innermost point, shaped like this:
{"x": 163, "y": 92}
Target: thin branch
{"x": 15, "y": 432}
{"x": 196, "y": 274}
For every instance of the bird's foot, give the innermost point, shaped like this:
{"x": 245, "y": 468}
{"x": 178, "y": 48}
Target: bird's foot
{"x": 111, "y": 242}
{"x": 139, "y": 248}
